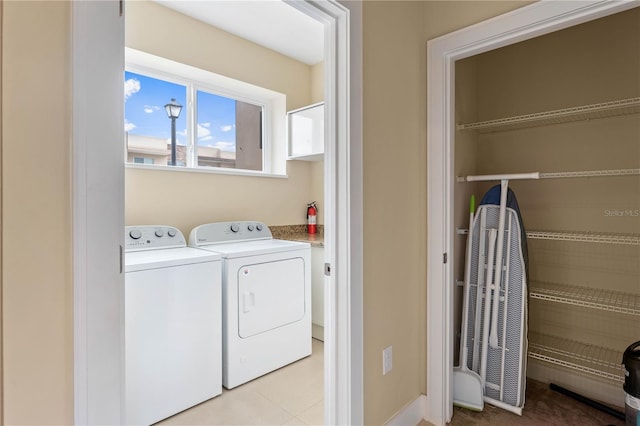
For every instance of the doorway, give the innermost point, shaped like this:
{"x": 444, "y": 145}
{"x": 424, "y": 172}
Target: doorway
{"x": 239, "y": 62}
{"x": 99, "y": 208}
{"x": 522, "y": 24}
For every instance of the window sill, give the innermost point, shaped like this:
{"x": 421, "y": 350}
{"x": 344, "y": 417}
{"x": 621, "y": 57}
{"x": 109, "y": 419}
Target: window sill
{"x": 307, "y": 157}
{"x": 215, "y": 171}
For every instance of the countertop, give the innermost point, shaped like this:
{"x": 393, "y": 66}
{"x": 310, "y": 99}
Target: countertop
{"x": 298, "y": 233}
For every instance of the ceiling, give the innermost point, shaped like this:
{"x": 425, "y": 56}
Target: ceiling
{"x": 269, "y": 23}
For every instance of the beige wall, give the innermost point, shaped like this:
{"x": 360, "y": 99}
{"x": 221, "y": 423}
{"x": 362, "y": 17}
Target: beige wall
{"x": 317, "y": 167}
{"x": 395, "y": 36}
{"x": 317, "y": 83}
{"x": 198, "y": 197}
{"x": 465, "y": 164}
{"x": 317, "y": 188}
{"x": 185, "y": 199}
{"x": 442, "y": 17}
{"x": 394, "y": 204}
{"x": 36, "y": 200}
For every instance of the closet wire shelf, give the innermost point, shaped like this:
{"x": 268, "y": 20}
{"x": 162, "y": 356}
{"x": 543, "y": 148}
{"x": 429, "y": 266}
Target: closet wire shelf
{"x": 586, "y": 237}
{"x": 564, "y": 115}
{"x": 590, "y": 173}
{"x": 590, "y": 359}
{"x": 582, "y": 237}
{"x": 607, "y": 300}
{"x": 579, "y": 174}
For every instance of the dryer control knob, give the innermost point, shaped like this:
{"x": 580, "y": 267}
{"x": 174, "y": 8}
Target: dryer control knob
{"x": 171, "y": 233}
{"x": 159, "y": 233}
{"x": 250, "y": 227}
{"x": 235, "y": 228}
{"x": 259, "y": 227}
{"x": 135, "y": 234}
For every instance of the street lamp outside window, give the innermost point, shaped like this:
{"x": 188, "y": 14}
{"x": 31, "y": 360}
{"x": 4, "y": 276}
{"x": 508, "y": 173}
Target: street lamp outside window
{"x": 173, "y": 112}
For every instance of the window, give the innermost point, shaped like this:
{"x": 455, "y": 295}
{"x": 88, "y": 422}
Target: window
{"x": 229, "y": 132}
{"x": 224, "y": 123}
{"x": 146, "y": 123}
{"x": 143, "y": 160}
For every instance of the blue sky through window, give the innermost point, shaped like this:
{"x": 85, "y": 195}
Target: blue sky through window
{"x": 216, "y": 121}
{"x": 144, "y": 112}
{"x": 145, "y": 115}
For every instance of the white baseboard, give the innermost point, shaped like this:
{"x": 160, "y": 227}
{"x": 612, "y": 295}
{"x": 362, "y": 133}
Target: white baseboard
{"x": 411, "y": 414}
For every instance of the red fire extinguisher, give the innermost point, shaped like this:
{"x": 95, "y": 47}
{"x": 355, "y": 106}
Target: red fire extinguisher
{"x": 312, "y": 211}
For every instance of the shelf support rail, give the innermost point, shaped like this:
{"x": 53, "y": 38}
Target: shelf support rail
{"x": 505, "y": 177}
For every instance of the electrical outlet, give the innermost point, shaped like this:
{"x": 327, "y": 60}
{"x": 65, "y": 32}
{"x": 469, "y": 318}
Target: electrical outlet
{"x": 387, "y": 360}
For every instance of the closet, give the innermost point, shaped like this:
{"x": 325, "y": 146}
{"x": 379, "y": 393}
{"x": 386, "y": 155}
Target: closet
{"x": 566, "y": 105}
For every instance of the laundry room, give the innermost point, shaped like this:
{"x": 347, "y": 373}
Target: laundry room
{"x": 208, "y": 180}
{"x": 554, "y": 119}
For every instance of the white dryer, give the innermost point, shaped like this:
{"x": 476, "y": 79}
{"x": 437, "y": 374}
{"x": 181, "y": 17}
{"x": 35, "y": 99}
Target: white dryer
{"x": 173, "y": 324}
{"x": 266, "y": 298}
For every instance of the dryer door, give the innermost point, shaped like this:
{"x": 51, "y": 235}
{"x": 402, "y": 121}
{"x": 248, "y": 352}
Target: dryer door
{"x": 270, "y": 295}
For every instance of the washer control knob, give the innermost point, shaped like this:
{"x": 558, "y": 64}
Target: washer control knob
{"x": 135, "y": 234}
{"x": 250, "y": 228}
{"x": 171, "y": 233}
{"x": 259, "y": 227}
{"x": 235, "y": 228}
{"x": 159, "y": 233}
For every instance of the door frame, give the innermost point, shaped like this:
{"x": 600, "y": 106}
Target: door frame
{"x": 98, "y": 211}
{"x": 521, "y": 24}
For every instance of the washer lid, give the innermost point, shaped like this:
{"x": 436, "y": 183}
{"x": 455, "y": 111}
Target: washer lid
{"x": 254, "y": 248}
{"x": 163, "y": 258}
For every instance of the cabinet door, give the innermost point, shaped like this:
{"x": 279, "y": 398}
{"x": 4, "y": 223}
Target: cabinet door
{"x": 306, "y": 131}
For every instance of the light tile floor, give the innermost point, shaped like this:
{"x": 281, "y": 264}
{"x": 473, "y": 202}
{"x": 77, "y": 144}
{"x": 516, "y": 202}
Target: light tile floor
{"x": 292, "y": 395}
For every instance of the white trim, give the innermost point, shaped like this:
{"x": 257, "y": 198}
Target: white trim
{"x": 343, "y": 316}
{"x": 212, "y": 170}
{"x": 98, "y": 212}
{"x": 350, "y": 76}
{"x": 411, "y": 414}
{"x": 527, "y": 22}
{"x": 80, "y": 373}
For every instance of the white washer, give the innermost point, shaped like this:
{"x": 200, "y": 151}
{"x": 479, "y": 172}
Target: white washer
{"x": 266, "y": 298}
{"x": 173, "y": 317}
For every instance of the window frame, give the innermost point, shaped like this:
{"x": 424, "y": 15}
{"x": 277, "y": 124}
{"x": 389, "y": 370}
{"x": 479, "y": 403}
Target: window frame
{"x": 273, "y": 105}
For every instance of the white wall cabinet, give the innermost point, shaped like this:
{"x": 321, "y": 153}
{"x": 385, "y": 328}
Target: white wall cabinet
{"x": 306, "y": 133}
